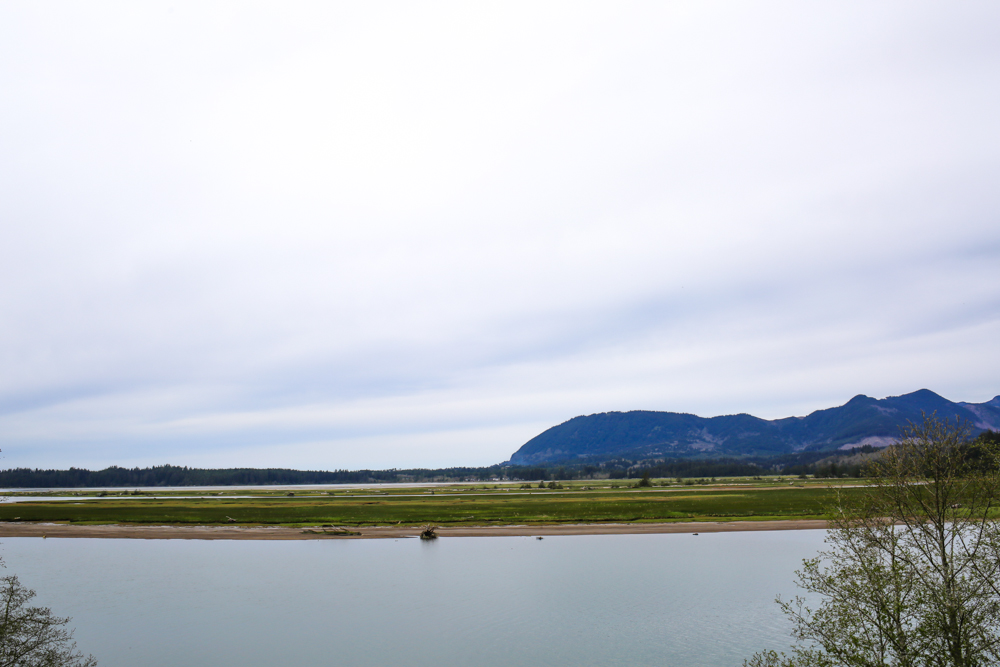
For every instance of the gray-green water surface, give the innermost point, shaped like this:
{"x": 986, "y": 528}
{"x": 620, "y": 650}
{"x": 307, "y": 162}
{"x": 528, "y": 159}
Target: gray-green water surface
{"x": 637, "y": 600}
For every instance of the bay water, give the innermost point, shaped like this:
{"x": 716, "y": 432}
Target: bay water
{"x": 676, "y": 600}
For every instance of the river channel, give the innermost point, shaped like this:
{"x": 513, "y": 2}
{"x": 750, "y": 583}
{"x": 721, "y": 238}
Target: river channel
{"x": 665, "y": 600}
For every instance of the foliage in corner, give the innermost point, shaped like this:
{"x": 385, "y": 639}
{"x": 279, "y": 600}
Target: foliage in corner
{"x": 32, "y": 636}
{"x": 911, "y": 573}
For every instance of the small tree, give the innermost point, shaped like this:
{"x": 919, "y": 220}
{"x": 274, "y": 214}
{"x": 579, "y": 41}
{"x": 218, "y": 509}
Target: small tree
{"x": 910, "y": 577}
{"x": 32, "y": 636}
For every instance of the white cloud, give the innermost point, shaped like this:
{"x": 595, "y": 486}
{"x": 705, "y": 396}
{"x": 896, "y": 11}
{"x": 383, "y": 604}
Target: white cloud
{"x": 232, "y": 230}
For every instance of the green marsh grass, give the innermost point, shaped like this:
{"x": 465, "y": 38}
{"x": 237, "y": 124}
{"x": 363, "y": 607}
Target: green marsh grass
{"x": 453, "y": 506}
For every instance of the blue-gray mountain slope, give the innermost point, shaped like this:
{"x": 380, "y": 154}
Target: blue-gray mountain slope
{"x": 644, "y": 434}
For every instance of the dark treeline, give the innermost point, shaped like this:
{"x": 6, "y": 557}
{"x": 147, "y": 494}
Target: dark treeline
{"x": 821, "y": 464}
{"x": 850, "y": 465}
{"x": 169, "y": 475}
{"x": 788, "y": 464}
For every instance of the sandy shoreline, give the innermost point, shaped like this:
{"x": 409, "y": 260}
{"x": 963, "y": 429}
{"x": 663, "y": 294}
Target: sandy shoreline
{"x": 48, "y": 530}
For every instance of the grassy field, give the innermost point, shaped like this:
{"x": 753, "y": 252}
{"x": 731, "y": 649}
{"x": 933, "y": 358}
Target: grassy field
{"x": 500, "y": 504}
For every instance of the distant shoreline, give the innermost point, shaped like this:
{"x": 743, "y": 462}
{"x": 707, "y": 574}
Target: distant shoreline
{"x": 54, "y": 530}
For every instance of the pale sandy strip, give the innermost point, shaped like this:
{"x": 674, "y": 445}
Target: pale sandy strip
{"x": 282, "y": 533}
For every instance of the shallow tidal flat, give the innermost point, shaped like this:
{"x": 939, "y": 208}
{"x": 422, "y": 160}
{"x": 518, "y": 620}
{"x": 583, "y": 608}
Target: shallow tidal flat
{"x": 447, "y": 507}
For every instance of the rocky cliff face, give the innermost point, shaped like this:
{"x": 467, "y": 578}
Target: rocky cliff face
{"x": 644, "y": 434}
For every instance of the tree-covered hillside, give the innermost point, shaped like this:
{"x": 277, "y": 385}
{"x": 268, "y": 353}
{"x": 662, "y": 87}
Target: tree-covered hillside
{"x": 645, "y": 435}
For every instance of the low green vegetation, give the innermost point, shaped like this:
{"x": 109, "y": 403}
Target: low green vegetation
{"x": 495, "y": 504}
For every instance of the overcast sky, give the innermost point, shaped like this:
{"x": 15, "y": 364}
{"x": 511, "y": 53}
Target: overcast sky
{"x": 343, "y": 235}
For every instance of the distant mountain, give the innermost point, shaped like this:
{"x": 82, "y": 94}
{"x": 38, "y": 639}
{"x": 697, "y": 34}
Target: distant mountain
{"x": 643, "y": 434}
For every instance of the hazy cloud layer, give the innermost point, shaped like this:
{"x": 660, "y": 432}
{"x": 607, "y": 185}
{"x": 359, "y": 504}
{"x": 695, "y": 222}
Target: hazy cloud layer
{"x": 417, "y": 234}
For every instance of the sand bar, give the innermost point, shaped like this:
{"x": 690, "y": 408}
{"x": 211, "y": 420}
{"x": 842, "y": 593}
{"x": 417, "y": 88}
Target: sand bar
{"x": 54, "y": 530}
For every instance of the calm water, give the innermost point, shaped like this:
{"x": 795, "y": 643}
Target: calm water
{"x": 664, "y": 600}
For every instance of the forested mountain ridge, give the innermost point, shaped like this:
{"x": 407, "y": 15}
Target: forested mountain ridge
{"x": 643, "y": 434}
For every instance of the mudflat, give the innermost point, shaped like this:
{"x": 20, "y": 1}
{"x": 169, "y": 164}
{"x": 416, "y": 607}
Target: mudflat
{"x": 58, "y": 530}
